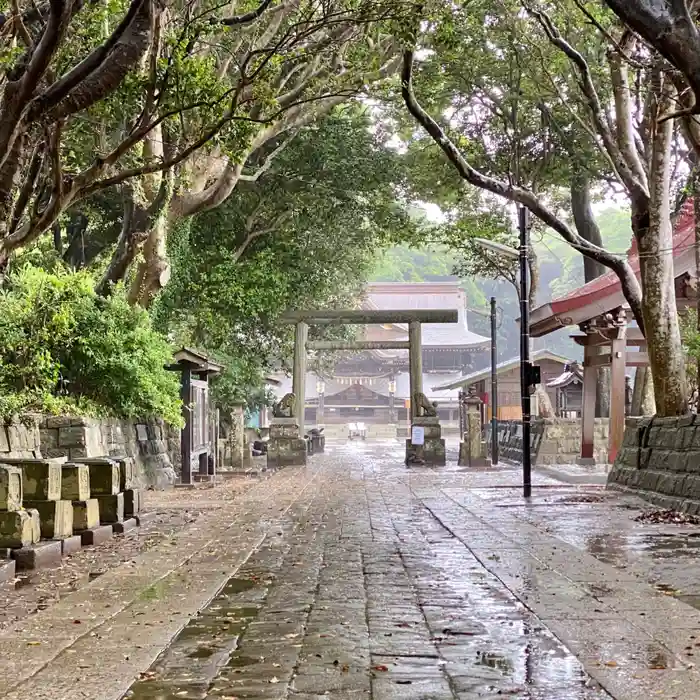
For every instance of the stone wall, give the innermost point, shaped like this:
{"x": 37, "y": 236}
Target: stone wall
{"x": 561, "y": 442}
{"x": 149, "y": 443}
{"x": 20, "y": 438}
{"x": 660, "y": 461}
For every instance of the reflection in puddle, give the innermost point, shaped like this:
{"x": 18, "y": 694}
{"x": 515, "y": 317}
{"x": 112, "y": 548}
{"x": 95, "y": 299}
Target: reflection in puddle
{"x": 204, "y": 646}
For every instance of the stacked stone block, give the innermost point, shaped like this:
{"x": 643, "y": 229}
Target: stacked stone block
{"x": 41, "y": 480}
{"x": 19, "y": 527}
{"x": 148, "y": 443}
{"x": 112, "y": 485}
{"x": 20, "y": 439}
{"x": 75, "y": 487}
{"x": 660, "y": 461}
{"x": 285, "y": 447}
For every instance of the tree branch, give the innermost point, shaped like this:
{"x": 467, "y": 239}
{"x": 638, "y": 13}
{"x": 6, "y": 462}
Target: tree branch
{"x": 248, "y": 17}
{"x": 591, "y": 94}
{"x": 60, "y": 89}
{"x": 670, "y": 29}
{"x": 267, "y": 163}
{"x": 519, "y": 195}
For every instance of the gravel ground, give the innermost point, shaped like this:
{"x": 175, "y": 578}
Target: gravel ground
{"x": 174, "y": 510}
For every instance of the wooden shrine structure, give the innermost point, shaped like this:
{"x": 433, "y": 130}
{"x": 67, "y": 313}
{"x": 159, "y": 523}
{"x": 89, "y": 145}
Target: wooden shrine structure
{"x": 199, "y": 436}
{"x": 608, "y": 333}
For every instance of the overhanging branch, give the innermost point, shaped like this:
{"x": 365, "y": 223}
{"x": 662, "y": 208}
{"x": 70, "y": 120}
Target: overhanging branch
{"x": 519, "y": 195}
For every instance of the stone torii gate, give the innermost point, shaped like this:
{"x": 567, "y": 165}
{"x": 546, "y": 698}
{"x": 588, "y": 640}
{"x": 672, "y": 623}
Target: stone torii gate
{"x": 287, "y": 446}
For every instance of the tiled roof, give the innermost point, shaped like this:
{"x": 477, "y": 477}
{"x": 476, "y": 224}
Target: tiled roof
{"x": 428, "y": 295}
{"x": 605, "y": 291}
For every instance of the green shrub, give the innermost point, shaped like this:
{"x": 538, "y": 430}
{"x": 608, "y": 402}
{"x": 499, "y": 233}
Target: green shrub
{"x": 64, "y": 349}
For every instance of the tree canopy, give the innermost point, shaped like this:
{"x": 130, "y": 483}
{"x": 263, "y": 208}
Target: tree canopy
{"x": 306, "y": 234}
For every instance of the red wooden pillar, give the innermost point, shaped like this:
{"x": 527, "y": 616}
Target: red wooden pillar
{"x": 618, "y": 351}
{"x": 588, "y": 403}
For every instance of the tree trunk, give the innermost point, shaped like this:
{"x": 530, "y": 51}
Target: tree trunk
{"x": 587, "y": 228}
{"x": 655, "y": 242}
{"x": 643, "y": 403}
{"x": 153, "y": 271}
{"x": 131, "y": 238}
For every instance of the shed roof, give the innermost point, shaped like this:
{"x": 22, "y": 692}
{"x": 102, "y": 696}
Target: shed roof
{"x": 572, "y": 374}
{"x": 604, "y": 294}
{"x": 473, "y": 377}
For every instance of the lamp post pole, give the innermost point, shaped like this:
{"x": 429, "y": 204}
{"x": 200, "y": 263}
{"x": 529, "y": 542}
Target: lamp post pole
{"x": 525, "y": 349}
{"x": 494, "y": 386}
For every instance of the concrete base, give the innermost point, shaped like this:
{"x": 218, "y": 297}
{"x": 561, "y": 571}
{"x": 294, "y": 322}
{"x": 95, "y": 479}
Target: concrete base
{"x": 202, "y": 478}
{"x": 42, "y": 555}
{"x": 121, "y": 528}
{"x": 286, "y": 452}
{"x": 586, "y": 461}
{"x": 430, "y": 454}
{"x": 465, "y": 460}
{"x": 144, "y": 518}
{"x": 71, "y": 545}
{"x": 8, "y": 569}
{"x": 96, "y": 535}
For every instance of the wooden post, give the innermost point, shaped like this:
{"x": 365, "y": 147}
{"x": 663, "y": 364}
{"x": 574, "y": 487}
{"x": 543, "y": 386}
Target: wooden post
{"x": 588, "y": 404}
{"x": 415, "y": 362}
{"x": 214, "y": 466}
{"x": 299, "y": 375}
{"x": 617, "y": 396}
{"x": 186, "y": 432}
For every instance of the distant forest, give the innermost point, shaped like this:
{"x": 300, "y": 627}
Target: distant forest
{"x": 561, "y": 271}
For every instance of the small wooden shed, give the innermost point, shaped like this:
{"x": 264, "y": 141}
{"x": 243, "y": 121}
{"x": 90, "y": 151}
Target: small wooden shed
{"x": 199, "y": 436}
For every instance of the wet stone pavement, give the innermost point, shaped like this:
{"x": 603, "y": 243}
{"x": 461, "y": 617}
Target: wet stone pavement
{"x": 358, "y": 578}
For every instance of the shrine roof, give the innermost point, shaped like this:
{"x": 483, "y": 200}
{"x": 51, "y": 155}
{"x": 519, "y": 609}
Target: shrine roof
{"x": 393, "y": 296}
{"x": 572, "y": 374}
{"x": 474, "y": 377}
{"x": 604, "y": 294}
{"x": 379, "y": 385}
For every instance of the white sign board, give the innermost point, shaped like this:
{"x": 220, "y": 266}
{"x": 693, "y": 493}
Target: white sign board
{"x": 417, "y": 435}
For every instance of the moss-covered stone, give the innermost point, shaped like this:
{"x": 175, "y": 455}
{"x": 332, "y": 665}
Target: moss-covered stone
{"x": 86, "y": 514}
{"x": 41, "y": 478}
{"x": 19, "y": 528}
{"x": 125, "y": 464}
{"x": 10, "y": 488}
{"x": 111, "y": 509}
{"x": 55, "y": 518}
{"x": 104, "y": 478}
{"x": 75, "y": 482}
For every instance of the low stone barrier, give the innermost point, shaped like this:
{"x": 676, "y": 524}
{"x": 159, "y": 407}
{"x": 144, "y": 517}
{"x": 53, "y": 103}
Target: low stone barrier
{"x": 149, "y": 443}
{"x": 660, "y": 461}
{"x": 20, "y": 438}
{"x": 65, "y": 504}
{"x": 553, "y": 440}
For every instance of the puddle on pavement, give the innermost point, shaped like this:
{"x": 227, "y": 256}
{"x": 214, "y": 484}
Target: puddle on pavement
{"x": 508, "y": 651}
{"x": 208, "y": 643}
{"x": 692, "y": 600}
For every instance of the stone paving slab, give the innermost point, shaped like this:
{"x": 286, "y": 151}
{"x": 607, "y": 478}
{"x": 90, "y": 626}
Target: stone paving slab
{"x": 356, "y": 578}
